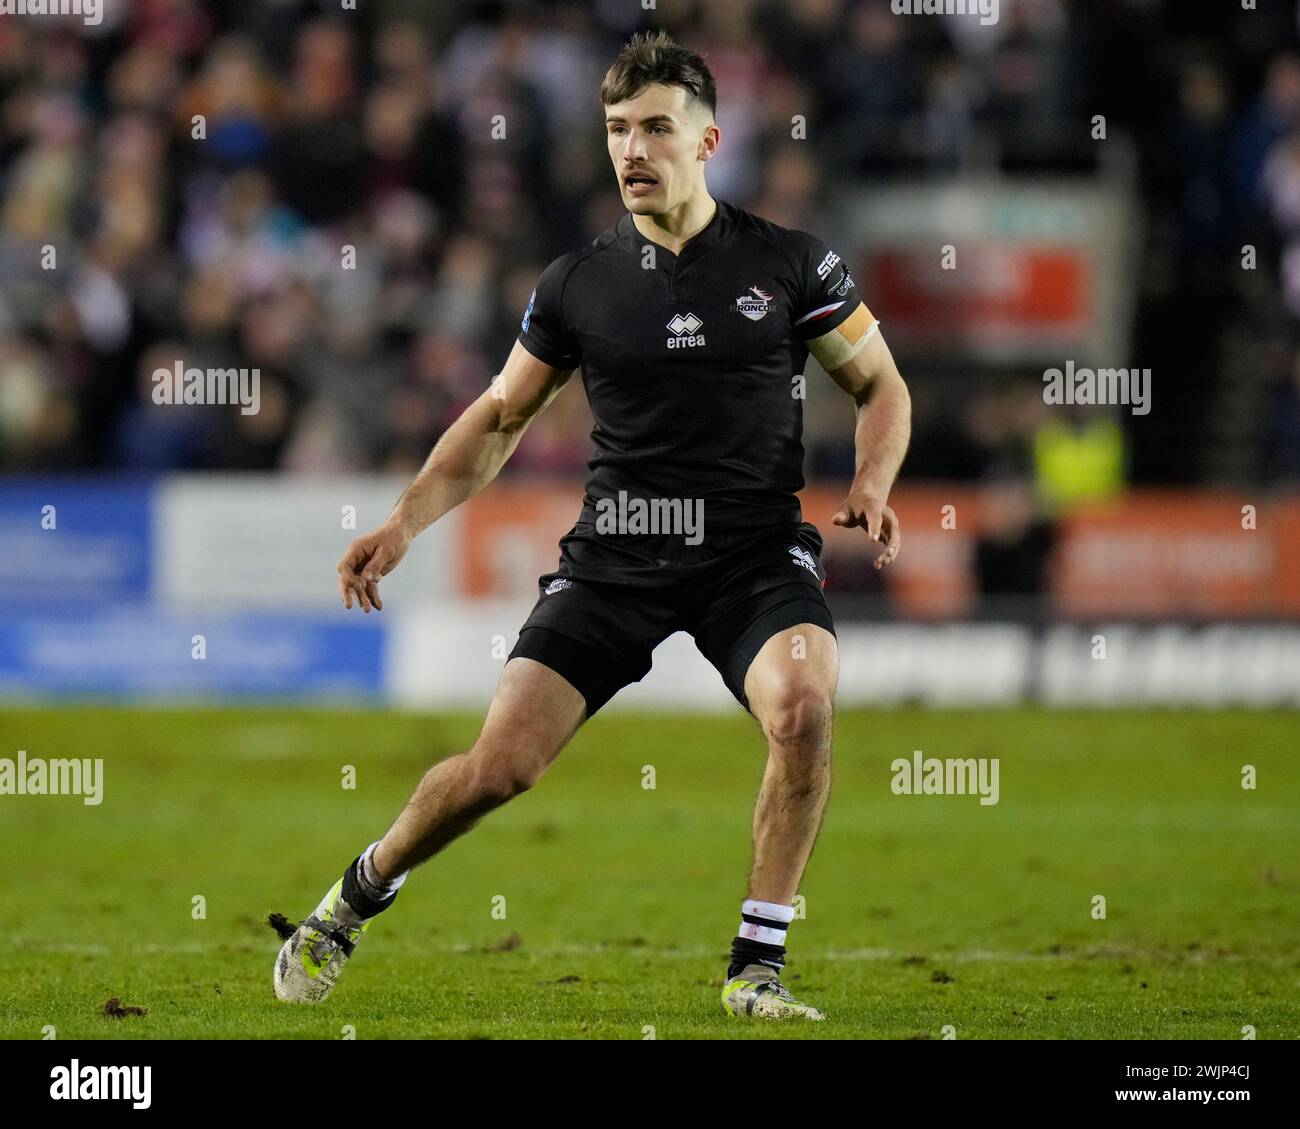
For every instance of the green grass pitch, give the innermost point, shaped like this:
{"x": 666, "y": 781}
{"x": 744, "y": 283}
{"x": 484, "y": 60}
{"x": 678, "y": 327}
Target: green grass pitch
{"x": 922, "y": 912}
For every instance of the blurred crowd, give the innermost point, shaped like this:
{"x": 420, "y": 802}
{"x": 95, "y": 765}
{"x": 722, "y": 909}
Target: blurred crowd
{"x": 318, "y": 193}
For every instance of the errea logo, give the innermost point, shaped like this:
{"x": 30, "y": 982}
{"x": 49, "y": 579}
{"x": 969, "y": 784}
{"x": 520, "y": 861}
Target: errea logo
{"x": 685, "y": 326}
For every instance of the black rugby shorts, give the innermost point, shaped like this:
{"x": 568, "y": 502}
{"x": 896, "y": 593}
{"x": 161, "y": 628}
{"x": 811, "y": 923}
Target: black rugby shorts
{"x": 615, "y": 598}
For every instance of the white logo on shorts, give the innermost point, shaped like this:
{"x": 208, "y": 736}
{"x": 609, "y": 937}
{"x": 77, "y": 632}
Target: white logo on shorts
{"x": 803, "y": 559}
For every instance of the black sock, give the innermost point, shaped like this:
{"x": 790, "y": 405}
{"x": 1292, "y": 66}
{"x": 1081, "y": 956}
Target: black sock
{"x": 362, "y": 895}
{"x": 744, "y": 951}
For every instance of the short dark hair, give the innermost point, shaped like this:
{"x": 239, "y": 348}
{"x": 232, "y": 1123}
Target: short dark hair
{"x": 651, "y": 57}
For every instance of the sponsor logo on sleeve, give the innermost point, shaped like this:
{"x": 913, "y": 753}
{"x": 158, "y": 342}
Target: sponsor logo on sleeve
{"x": 827, "y": 265}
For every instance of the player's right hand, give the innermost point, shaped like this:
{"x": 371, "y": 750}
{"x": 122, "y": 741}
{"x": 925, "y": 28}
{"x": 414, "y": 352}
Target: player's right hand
{"x": 366, "y": 560}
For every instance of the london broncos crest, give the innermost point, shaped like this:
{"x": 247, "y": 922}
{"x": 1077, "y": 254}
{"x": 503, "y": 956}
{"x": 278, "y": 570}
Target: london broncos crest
{"x": 754, "y": 305}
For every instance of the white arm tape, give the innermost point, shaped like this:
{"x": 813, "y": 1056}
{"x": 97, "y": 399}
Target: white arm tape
{"x": 834, "y": 349}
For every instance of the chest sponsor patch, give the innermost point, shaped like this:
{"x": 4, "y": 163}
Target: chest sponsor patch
{"x": 687, "y": 330}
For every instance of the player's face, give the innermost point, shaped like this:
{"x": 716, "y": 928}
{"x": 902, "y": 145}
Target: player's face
{"x": 657, "y": 142}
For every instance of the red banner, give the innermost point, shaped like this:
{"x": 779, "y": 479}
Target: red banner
{"x": 1153, "y": 555}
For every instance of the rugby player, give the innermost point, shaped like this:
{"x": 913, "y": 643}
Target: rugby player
{"x": 691, "y": 321}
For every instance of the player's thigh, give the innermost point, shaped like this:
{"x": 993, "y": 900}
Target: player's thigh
{"x": 766, "y": 623}
{"x": 790, "y": 684}
{"x": 534, "y": 713}
{"x": 598, "y": 635}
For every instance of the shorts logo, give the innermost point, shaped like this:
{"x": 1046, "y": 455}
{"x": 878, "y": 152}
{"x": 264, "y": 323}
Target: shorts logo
{"x": 803, "y": 559}
{"x": 528, "y": 313}
{"x": 558, "y": 586}
{"x": 755, "y": 305}
{"x": 685, "y": 327}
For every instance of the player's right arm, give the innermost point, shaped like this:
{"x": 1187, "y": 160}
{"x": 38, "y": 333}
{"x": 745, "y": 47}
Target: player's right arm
{"x": 466, "y": 458}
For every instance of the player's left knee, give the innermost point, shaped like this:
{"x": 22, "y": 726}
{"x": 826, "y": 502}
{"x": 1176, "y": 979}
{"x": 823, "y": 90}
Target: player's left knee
{"x": 796, "y": 714}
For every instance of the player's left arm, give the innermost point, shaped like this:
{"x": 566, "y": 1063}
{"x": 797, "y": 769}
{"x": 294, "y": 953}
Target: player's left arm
{"x": 855, "y": 355}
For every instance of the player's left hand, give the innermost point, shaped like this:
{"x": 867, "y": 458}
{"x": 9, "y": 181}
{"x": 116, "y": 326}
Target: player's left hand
{"x": 873, "y": 515}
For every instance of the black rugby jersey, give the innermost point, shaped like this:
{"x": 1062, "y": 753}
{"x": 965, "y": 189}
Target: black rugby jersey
{"x": 690, "y": 364}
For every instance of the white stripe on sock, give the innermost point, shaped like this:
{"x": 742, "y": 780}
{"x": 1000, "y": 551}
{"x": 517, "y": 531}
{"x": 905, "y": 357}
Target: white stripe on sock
{"x": 777, "y": 915}
{"x": 771, "y": 910}
{"x": 762, "y": 933}
{"x": 394, "y": 884}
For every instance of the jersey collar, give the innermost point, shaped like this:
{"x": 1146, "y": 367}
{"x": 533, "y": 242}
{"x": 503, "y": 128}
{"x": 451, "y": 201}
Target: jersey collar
{"x": 713, "y": 234}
